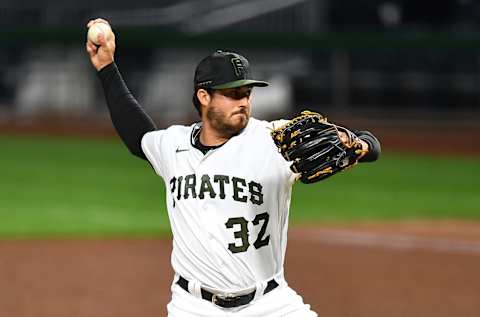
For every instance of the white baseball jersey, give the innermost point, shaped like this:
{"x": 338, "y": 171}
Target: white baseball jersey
{"x": 228, "y": 209}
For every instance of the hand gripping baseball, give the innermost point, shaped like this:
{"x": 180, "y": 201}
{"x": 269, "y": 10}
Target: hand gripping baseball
{"x": 102, "y": 54}
{"x": 317, "y": 148}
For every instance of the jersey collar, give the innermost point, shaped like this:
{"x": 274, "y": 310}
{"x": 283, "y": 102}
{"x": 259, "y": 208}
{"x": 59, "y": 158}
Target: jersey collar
{"x": 195, "y": 139}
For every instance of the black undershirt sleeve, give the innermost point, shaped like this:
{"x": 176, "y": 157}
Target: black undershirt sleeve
{"x": 128, "y": 117}
{"x": 373, "y": 145}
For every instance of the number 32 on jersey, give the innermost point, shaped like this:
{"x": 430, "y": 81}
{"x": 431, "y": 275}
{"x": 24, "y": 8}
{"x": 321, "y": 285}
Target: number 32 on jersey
{"x": 241, "y": 236}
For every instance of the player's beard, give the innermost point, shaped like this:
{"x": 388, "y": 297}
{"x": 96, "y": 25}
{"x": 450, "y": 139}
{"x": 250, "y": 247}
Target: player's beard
{"x": 228, "y": 124}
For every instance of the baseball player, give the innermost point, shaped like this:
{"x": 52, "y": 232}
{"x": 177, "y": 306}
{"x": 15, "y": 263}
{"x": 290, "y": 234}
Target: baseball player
{"x": 227, "y": 187}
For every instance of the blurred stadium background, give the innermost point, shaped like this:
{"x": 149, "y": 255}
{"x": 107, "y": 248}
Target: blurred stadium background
{"x": 409, "y": 71}
{"x": 372, "y": 59}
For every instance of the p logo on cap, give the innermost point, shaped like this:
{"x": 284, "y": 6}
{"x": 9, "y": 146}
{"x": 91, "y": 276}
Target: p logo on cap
{"x": 238, "y": 66}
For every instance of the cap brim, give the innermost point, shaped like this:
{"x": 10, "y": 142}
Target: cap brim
{"x": 242, "y": 82}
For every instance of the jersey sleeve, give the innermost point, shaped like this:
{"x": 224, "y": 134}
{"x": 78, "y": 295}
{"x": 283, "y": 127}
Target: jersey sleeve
{"x": 152, "y": 145}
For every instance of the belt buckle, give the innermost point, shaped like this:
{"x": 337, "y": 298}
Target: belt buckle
{"x": 227, "y": 298}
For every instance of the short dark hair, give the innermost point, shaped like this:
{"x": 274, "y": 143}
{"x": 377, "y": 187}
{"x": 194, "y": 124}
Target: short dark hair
{"x": 197, "y": 102}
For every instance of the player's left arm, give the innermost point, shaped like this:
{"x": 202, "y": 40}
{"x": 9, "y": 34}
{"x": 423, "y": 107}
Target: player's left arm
{"x": 372, "y": 146}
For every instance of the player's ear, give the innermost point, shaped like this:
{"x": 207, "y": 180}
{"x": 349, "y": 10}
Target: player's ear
{"x": 203, "y": 96}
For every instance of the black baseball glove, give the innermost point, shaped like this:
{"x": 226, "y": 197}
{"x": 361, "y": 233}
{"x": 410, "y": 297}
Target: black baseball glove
{"x": 317, "y": 148}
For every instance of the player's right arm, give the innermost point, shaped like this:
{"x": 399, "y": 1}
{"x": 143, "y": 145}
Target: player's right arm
{"x": 128, "y": 117}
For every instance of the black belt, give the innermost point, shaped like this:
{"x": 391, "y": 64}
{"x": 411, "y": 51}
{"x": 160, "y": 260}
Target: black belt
{"x": 228, "y": 301}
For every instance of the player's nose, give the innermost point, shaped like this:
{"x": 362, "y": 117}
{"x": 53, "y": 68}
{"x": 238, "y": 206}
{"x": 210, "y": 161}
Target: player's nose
{"x": 242, "y": 108}
{"x": 245, "y": 101}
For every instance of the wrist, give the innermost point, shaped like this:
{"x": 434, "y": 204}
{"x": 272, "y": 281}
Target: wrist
{"x": 101, "y": 67}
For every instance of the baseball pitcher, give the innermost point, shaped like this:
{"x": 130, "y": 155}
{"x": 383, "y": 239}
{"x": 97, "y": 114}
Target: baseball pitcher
{"x": 228, "y": 183}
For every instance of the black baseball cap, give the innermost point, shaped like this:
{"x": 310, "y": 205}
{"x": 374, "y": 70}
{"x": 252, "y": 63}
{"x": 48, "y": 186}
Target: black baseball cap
{"x": 222, "y": 70}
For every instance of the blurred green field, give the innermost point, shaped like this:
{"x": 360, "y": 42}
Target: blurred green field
{"x": 67, "y": 187}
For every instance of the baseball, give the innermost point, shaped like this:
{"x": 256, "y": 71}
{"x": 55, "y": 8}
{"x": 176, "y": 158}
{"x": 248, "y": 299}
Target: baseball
{"x": 96, "y": 29}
